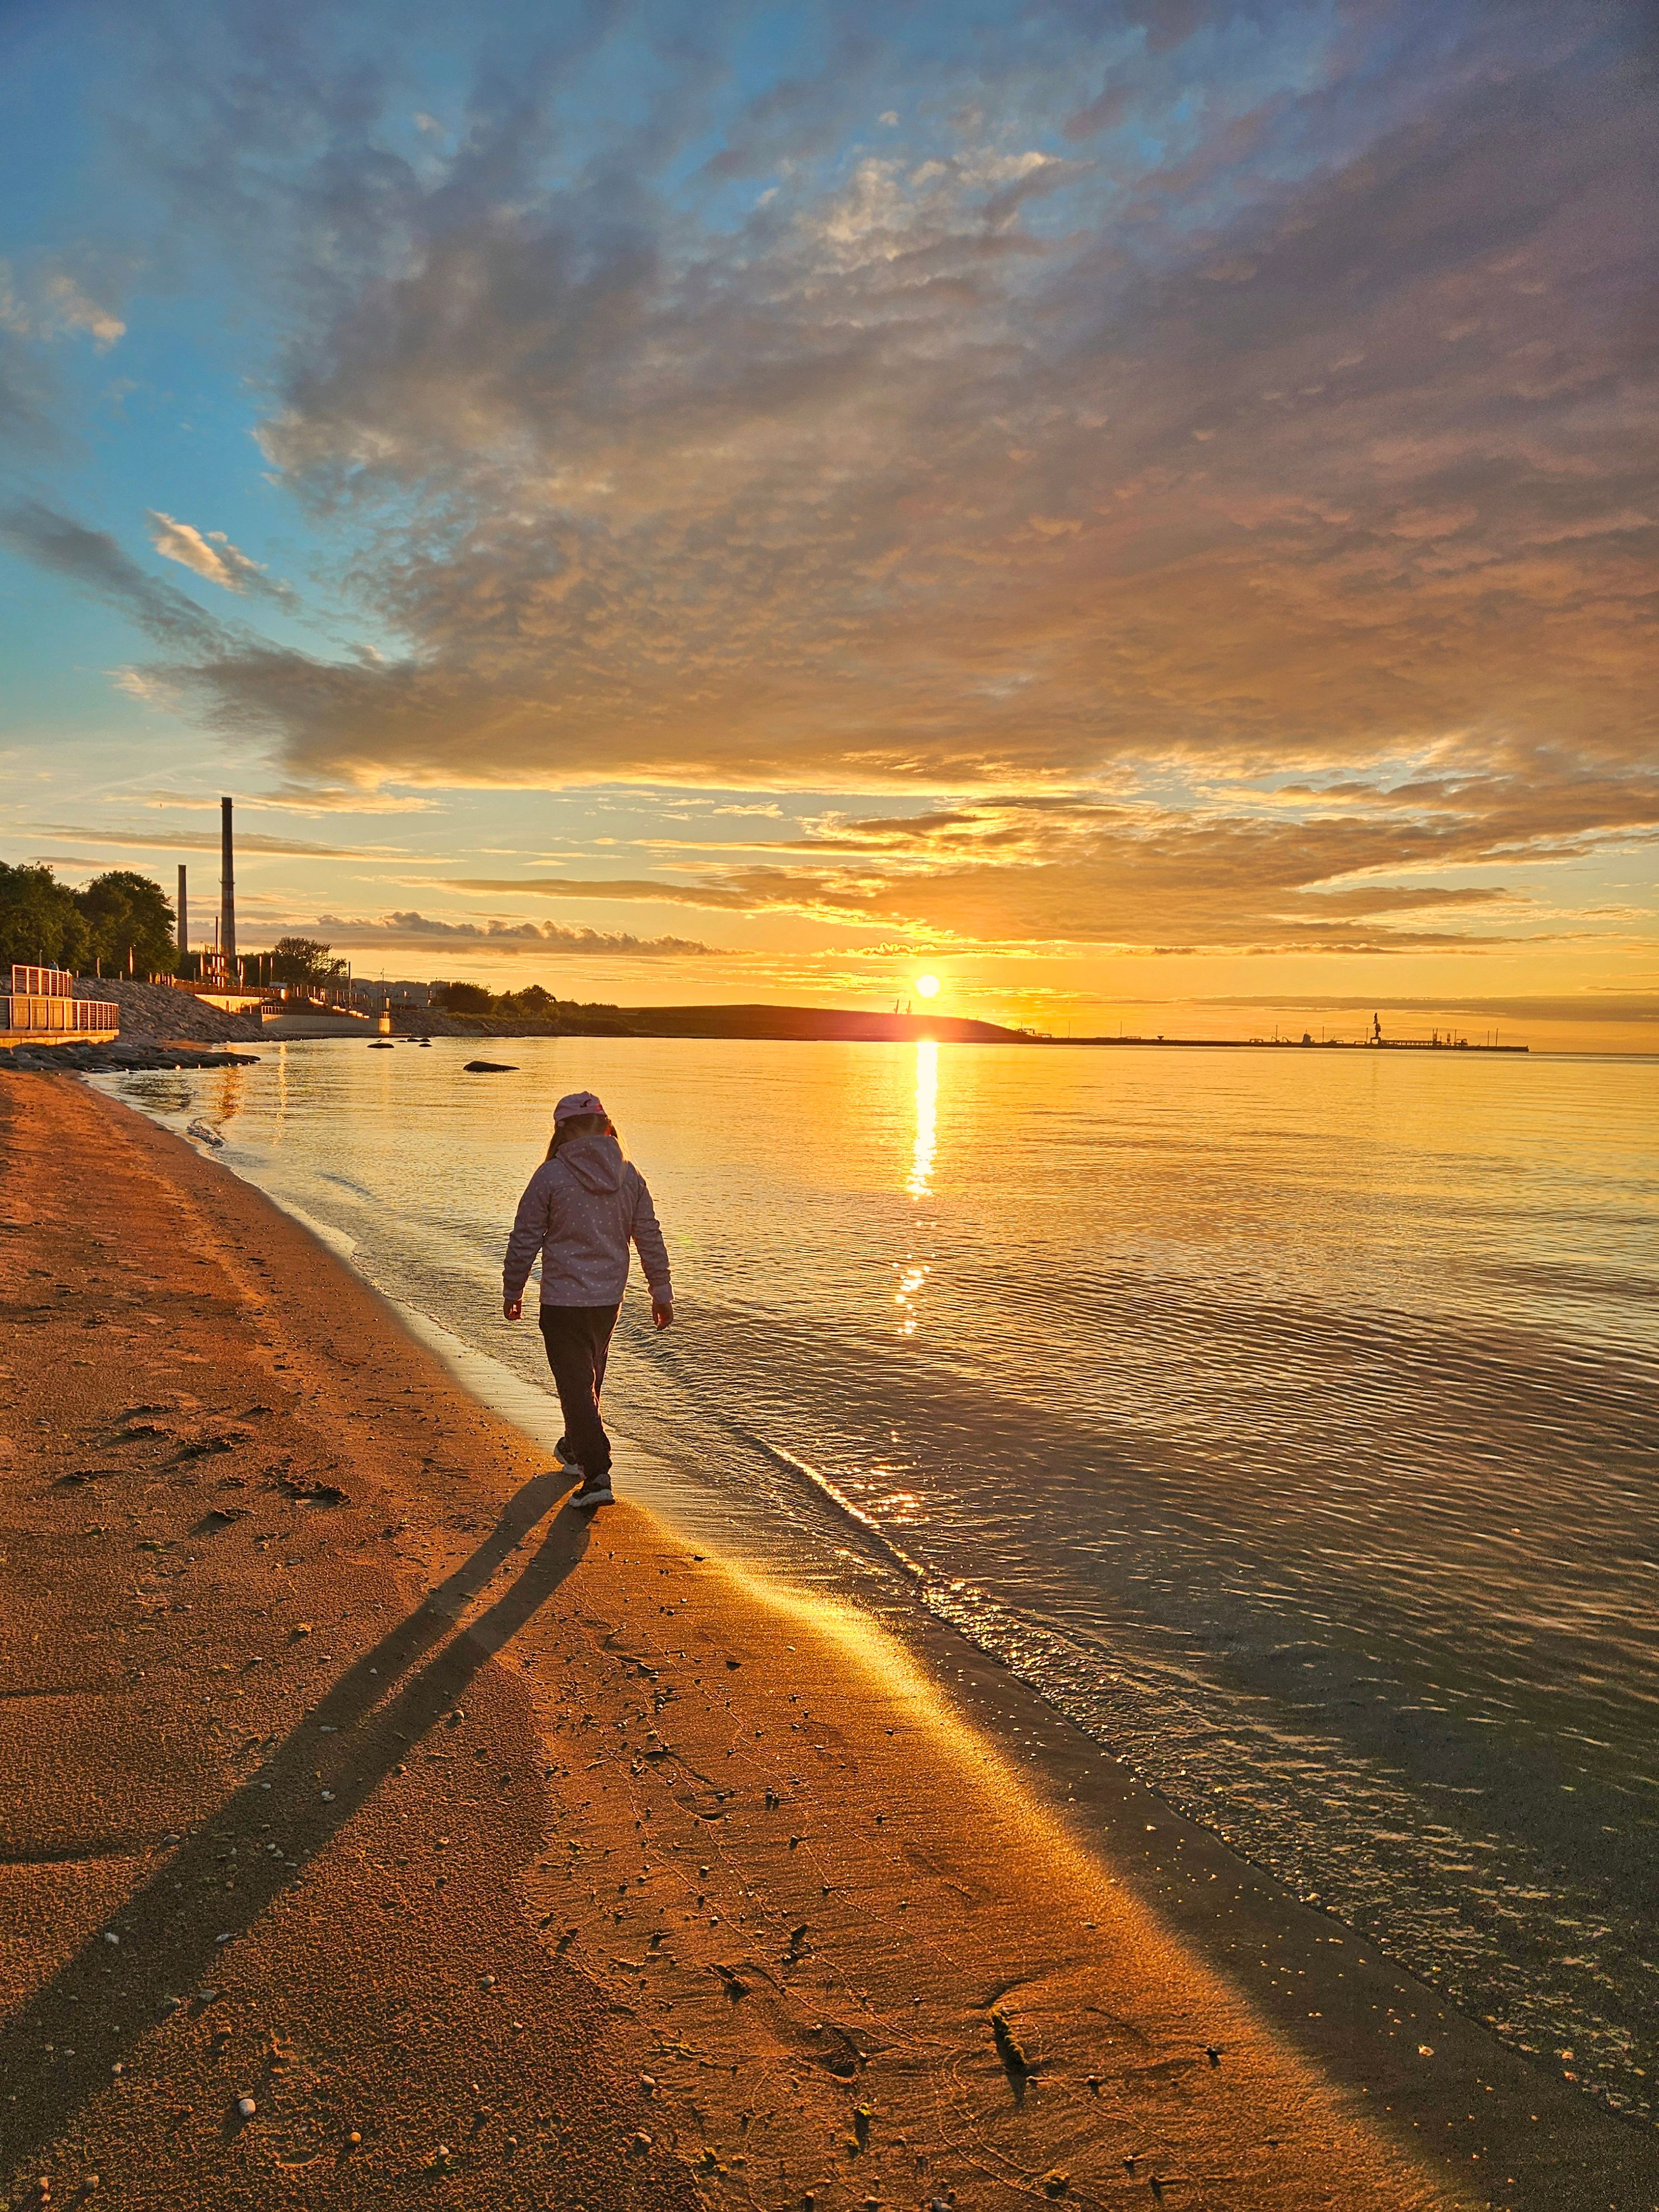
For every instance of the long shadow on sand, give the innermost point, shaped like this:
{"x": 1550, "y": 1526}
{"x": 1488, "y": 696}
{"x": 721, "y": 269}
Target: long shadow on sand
{"x": 156, "y": 1949}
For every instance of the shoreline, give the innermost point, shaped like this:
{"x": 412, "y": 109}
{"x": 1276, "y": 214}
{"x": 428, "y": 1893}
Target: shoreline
{"x": 665, "y": 1698}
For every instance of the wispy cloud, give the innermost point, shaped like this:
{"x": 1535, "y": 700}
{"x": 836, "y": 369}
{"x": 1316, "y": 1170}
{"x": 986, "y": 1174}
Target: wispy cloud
{"x": 162, "y": 839}
{"x": 1060, "y": 870}
{"x": 69, "y": 307}
{"x": 93, "y": 559}
{"x": 212, "y": 556}
{"x": 54, "y": 303}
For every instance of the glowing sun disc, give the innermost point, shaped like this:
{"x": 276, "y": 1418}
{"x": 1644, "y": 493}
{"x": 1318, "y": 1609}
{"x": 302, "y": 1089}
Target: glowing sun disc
{"x": 928, "y": 986}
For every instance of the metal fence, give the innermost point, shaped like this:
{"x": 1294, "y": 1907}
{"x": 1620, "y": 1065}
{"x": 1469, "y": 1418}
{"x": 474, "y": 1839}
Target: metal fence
{"x": 43, "y": 1003}
{"x": 36, "y": 1016}
{"x": 41, "y": 983}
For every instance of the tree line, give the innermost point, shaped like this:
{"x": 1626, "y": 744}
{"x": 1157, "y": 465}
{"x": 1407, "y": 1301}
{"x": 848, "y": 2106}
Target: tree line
{"x": 120, "y": 924}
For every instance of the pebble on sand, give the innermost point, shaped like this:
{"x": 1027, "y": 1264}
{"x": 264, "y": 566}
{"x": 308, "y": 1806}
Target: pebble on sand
{"x": 245, "y": 2107}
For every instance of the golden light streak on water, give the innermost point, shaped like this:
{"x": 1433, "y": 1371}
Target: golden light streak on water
{"x": 913, "y": 1271}
{"x": 921, "y": 1158}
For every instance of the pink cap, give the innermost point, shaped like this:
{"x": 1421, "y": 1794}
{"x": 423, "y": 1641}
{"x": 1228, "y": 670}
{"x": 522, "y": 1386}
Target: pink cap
{"x": 578, "y": 1102}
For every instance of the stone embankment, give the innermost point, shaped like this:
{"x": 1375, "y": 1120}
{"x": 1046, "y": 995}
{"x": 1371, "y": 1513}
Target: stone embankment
{"x": 433, "y": 1021}
{"x": 154, "y": 1013}
{"x": 122, "y": 1058}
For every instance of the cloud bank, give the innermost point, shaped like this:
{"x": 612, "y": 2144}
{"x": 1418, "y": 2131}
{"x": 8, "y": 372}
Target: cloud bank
{"x": 1214, "y": 454}
{"x": 420, "y": 929}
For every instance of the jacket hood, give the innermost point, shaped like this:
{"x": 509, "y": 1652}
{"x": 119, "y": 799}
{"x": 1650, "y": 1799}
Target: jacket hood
{"x": 596, "y": 1162}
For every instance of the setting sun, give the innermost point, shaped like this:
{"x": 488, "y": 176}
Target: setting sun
{"x": 927, "y": 986}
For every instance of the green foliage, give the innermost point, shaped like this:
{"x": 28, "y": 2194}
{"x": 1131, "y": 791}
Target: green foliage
{"x": 532, "y": 1002}
{"x": 302, "y": 960}
{"x": 131, "y": 922}
{"x": 464, "y": 998}
{"x": 471, "y": 1002}
{"x": 40, "y": 922}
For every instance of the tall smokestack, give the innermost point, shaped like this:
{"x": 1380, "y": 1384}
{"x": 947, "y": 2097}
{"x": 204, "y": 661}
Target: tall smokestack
{"x": 227, "y": 889}
{"x": 183, "y": 915}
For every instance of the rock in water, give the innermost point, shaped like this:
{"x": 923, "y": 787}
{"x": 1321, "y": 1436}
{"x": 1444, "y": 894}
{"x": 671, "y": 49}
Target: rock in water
{"x": 489, "y": 1067}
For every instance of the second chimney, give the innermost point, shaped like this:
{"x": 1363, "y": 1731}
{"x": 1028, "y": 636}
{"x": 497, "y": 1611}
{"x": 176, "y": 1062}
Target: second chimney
{"x": 227, "y": 891}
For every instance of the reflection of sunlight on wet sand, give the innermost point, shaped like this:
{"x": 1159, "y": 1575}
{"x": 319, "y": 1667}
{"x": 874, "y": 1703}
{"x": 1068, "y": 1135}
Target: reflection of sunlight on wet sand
{"x": 913, "y": 1273}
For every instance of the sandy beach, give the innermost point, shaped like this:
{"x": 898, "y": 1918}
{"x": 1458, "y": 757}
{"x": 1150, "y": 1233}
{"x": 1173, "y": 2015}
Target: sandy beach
{"x": 376, "y": 1826}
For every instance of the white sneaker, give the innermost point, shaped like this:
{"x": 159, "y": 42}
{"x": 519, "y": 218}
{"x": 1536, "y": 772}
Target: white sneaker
{"x": 595, "y": 1491}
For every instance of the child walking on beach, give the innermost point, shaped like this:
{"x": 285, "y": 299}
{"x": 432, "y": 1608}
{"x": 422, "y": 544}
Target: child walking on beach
{"x": 583, "y": 1207}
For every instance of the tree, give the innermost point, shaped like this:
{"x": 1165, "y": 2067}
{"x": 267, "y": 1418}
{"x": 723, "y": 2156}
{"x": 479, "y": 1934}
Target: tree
{"x": 40, "y": 922}
{"x": 532, "y": 1001}
{"x": 302, "y": 960}
{"x": 464, "y": 998}
{"x": 131, "y": 920}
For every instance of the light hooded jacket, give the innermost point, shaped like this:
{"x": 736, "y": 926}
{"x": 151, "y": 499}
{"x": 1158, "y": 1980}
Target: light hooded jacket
{"x": 580, "y": 1211}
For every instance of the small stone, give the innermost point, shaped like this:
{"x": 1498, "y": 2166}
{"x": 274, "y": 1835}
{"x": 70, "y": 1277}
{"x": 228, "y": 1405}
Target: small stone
{"x": 245, "y": 2107}
{"x": 327, "y": 1796}
{"x": 354, "y": 2138}
{"x": 486, "y": 1981}
{"x": 303, "y": 1628}
{"x": 110, "y": 1935}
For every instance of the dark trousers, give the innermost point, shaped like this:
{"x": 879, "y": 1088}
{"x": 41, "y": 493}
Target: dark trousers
{"x": 578, "y": 1338}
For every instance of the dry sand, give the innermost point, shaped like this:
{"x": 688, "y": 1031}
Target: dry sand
{"x": 501, "y": 1861}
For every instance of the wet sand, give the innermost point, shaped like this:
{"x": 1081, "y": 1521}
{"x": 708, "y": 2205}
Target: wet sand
{"x": 509, "y": 1861}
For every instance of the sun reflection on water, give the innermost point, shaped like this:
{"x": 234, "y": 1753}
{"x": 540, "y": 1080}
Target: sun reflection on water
{"x": 913, "y": 1271}
{"x": 920, "y": 1184}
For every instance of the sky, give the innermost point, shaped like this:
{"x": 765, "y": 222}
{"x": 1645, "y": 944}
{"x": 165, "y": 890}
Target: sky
{"x": 1148, "y": 512}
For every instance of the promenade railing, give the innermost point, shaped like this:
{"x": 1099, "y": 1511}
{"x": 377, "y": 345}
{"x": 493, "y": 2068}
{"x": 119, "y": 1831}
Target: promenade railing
{"x": 42, "y": 1004}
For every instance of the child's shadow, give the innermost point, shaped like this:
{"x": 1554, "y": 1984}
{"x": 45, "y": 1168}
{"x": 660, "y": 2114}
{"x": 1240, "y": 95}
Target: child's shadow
{"x": 153, "y": 1949}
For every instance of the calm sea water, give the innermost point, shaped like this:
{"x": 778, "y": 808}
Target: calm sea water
{"x": 1287, "y": 1419}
